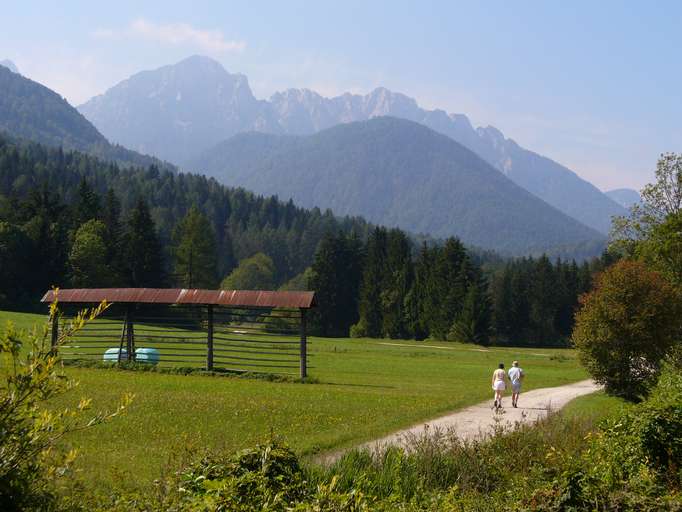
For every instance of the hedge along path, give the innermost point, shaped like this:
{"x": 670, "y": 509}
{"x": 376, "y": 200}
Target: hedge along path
{"x": 479, "y": 420}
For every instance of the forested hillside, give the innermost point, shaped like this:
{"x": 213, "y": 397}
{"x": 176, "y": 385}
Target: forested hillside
{"x": 69, "y": 219}
{"x": 31, "y": 111}
{"x": 399, "y": 173}
{"x": 49, "y": 197}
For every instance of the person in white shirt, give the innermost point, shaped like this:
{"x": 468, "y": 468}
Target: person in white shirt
{"x": 515, "y": 376}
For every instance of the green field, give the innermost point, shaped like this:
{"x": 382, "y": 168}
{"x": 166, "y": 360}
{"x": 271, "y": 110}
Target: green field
{"x": 365, "y": 388}
{"x": 596, "y": 406}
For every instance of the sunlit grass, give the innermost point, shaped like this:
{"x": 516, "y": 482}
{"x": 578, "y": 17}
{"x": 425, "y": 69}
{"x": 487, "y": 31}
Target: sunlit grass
{"x": 366, "y": 388}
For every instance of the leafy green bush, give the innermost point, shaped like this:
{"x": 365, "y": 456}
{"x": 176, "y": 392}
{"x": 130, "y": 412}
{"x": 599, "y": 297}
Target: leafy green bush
{"x": 30, "y": 461}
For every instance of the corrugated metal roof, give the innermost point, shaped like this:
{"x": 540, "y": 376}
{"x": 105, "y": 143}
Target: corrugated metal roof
{"x": 234, "y": 298}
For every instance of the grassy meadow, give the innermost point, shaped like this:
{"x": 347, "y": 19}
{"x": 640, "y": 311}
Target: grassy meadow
{"x": 363, "y": 388}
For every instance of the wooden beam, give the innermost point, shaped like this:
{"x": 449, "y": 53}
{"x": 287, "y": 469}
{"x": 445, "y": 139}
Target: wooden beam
{"x": 304, "y": 344}
{"x": 209, "y": 340}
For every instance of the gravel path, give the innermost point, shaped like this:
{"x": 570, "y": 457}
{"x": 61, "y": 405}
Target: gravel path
{"x": 479, "y": 419}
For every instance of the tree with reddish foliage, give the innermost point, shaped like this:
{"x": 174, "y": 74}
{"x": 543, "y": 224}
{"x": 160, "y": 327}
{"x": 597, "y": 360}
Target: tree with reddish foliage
{"x": 626, "y": 326}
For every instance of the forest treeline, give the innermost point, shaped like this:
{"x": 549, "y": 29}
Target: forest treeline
{"x": 68, "y": 219}
{"x": 384, "y": 288}
{"x": 60, "y": 209}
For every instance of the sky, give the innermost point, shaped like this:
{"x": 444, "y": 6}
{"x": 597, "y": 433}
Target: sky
{"x": 593, "y": 85}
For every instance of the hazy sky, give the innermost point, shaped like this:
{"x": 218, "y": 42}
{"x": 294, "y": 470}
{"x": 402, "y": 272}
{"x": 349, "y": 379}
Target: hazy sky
{"x": 594, "y": 85}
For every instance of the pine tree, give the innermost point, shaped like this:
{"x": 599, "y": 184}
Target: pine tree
{"x": 370, "y": 307}
{"x": 397, "y": 281}
{"x": 194, "y": 251}
{"x": 543, "y": 301}
{"x": 336, "y": 274}
{"x": 472, "y": 324}
{"x": 143, "y": 259}
{"x": 448, "y": 287}
{"x": 87, "y": 203}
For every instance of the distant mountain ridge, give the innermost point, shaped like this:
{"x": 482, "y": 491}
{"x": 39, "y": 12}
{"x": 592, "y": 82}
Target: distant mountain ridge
{"x": 178, "y": 111}
{"x": 398, "y": 173}
{"x": 31, "y": 111}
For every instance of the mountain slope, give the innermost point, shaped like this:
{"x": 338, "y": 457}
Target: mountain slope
{"x": 178, "y": 111}
{"x": 626, "y": 197}
{"x": 175, "y": 112}
{"x": 9, "y": 65}
{"x": 31, "y": 111}
{"x": 398, "y": 173}
{"x": 304, "y": 112}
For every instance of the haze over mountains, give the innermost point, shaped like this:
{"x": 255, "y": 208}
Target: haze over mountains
{"x": 178, "y": 111}
{"x": 626, "y": 197}
{"x": 31, "y": 111}
{"x": 397, "y": 173}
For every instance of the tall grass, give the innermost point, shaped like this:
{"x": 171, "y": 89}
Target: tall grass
{"x": 505, "y": 460}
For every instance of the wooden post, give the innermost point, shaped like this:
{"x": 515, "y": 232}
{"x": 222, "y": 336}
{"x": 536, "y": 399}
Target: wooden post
{"x": 55, "y": 333}
{"x": 209, "y": 340}
{"x": 304, "y": 348}
{"x": 130, "y": 334}
{"x": 124, "y": 328}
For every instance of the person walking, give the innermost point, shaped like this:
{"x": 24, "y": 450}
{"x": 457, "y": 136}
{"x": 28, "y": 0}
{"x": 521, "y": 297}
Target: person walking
{"x": 515, "y": 377}
{"x": 499, "y": 385}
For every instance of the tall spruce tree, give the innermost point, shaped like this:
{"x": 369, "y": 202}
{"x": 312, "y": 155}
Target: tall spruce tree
{"x": 143, "y": 259}
{"x": 370, "y": 307}
{"x": 420, "y": 300}
{"x": 397, "y": 280}
{"x": 195, "y": 252}
{"x": 87, "y": 203}
{"x": 336, "y": 275}
{"x": 473, "y": 322}
{"x": 448, "y": 287}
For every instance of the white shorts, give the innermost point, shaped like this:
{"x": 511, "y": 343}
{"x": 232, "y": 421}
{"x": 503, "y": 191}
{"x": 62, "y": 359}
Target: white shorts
{"x": 499, "y": 385}
{"x": 516, "y": 387}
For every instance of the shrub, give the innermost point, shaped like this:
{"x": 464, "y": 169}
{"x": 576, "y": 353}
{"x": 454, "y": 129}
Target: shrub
{"x": 30, "y": 462}
{"x": 626, "y": 327}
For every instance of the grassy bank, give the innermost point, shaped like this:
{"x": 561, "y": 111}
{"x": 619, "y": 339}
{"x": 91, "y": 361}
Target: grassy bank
{"x": 365, "y": 388}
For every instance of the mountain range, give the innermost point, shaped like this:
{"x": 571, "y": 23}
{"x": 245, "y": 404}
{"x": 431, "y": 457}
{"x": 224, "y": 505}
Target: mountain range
{"x": 394, "y": 171}
{"x": 397, "y": 173}
{"x": 178, "y": 111}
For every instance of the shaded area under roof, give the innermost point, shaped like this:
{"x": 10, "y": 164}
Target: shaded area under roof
{"x": 233, "y": 298}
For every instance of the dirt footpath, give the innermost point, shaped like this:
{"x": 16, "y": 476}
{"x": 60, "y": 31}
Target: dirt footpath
{"x": 479, "y": 419}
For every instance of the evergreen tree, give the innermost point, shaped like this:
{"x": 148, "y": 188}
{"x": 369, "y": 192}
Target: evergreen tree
{"x": 396, "y": 284}
{"x": 143, "y": 259}
{"x": 87, "y": 203}
{"x": 195, "y": 252}
{"x": 447, "y": 287}
{"x": 543, "y": 301}
{"x": 419, "y": 302}
{"x": 472, "y": 324}
{"x": 46, "y": 226}
{"x": 336, "y": 275}
{"x": 370, "y": 307}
